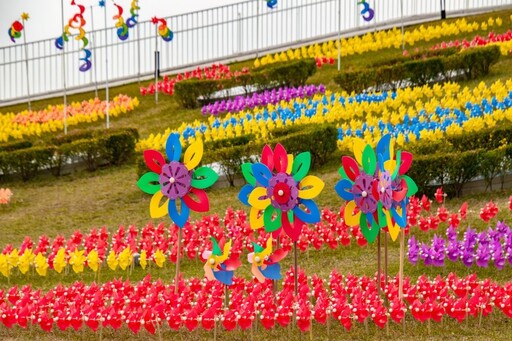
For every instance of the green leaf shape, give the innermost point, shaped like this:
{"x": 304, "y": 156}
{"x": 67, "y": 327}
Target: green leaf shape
{"x": 147, "y": 183}
{"x": 271, "y": 225}
{"x": 412, "y": 188}
{"x": 369, "y": 234}
{"x": 369, "y": 160}
{"x": 216, "y": 251}
{"x": 247, "y": 172}
{"x": 204, "y": 177}
{"x": 301, "y": 165}
{"x": 398, "y": 162}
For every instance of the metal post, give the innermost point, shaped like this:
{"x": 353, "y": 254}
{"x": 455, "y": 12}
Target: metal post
{"x": 94, "y": 62}
{"x": 64, "y": 71}
{"x": 339, "y": 35}
{"x": 106, "y": 68}
{"x": 402, "y": 20}
{"x": 257, "y": 27}
{"x": 26, "y": 62}
{"x": 156, "y": 63}
{"x": 443, "y": 9}
{"x": 138, "y": 51}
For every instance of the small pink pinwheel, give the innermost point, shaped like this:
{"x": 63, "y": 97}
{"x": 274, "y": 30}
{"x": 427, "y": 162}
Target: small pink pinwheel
{"x": 265, "y": 263}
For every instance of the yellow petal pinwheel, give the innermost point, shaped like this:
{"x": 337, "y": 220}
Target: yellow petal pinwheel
{"x": 77, "y": 260}
{"x": 125, "y": 258}
{"x": 93, "y": 260}
{"x": 159, "y": 258}
{"x": 59, "y": 262}
{"x": 41, "y": 264}
{"x": 112, "y": 261}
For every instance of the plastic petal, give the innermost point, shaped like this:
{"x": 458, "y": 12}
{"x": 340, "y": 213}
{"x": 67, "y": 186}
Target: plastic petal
{"x": 201, "y": 205}
{"x": 350, "y": 167}
{"x": 148, "y": 183}
{"x": 255, "y": 198}
{"x": 384, "y": 147}
{"x": 301, "y": 166}
{"x": 343, "y": 188}
{"x": 280, "y": 158}
{"x": 267, "y": 157}
{"x": 369, "y": 233}
{"x": 292, "y": 226}
{"x": 261, "y": 173}
{"x": 399, "y": 214}
{"x": 412, "y": 188}
{"x": 289, "y": 169}
{"x": 243, "y": 195}
{"x": 255, "y": 218}
{"x": 272, "y": 219}
{"x": 225, "y": 277}
{"x": 179, "y": 219}
{"x": 204, "y": 177}
{"x": 310, "y": 187}
{"x": 154, "y": 160}
{"x": 359, "y": 146}
{"x": 369, "y": 160}
{"x": 311, "y": 217}
{"x": 247, "y": 172}
{"x": 406, "y": 162}
{"x": 272, "y": 271}
{"x": 350, "y": 218}
{"x": 193, "y": 154}
{"x": 155, "y": 209}
{"x": 173, "y": 147}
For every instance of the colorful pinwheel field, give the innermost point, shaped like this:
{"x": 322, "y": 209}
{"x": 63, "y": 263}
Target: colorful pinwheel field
{"x": 371, "y": 238}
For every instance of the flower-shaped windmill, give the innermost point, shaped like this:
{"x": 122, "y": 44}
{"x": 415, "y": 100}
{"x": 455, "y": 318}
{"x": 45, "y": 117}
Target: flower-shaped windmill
{"x": 219, "y": 265}
{"x": 265, "y": 263}
{"x": 278, "y": 188}
{"x": 281, "y": 194}
{"x": 177, "y": 182}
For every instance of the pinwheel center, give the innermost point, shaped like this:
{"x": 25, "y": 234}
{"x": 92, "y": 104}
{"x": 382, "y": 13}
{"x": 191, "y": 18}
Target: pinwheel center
{"x": 364, "y": 194}
{"x": 362, "y": 190}
{"x": 257, "y": 259}
{"x": 382, "y": 189}
{"x": 211, "y": 261}
{"x": 282, "y": 191}
{"x": 175, "y": 180}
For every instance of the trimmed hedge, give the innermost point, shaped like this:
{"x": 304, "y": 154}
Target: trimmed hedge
{"x": 111, "y": 146}
{"x": 290, "y": 74}
{"x": 473, "y": 63}
{"x": 11, "y": 146}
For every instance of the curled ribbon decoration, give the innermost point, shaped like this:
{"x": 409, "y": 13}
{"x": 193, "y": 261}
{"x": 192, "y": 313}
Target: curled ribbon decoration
{"x": 367, "y": 13}
{"x": 163, "y": 30}
{"x": 14, "y": 31}
{"x": 271, "y": 4}
{"x": 77, "y": 22}
{"x": 132, "y": 21}
{"x": 122, "y": 28}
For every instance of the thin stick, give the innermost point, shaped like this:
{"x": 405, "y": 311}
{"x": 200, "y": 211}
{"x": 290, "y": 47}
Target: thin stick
{"x": 295, "y": 268}
{"x": 386, "y": 258}
{"x": 215, "y": 329}
{"x": 226, "y": 297}
{"x": 26, "y": 62}
{"x": 378, "y": 264}
{"x": 178, "y": 256}
{"x": 401, "y": 267}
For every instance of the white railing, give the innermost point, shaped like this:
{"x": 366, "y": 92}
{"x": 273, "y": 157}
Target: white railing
{"x": 229, "y": 32}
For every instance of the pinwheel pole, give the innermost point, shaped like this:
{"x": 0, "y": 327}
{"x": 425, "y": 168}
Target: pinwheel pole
{"x": 178, "y": 258}
{"x": 339, "y": 35}
{"x": 402, "y": 23}
{"x": 156, "y": 64}
{"x": 94, "y": 64}
{"x": 106, "y": 69}
{"x": 64, "y": 73}
{"x": 24, "y": 18}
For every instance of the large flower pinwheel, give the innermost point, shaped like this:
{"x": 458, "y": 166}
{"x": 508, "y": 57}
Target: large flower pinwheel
{"x": 265, "y": 263}
{"x": 379, "y": 195}
{"x": 359, "y": 188}
{"x": 177, "y": 181}
{"x": 280, "y": 192}
{"x": 219, "y": 265}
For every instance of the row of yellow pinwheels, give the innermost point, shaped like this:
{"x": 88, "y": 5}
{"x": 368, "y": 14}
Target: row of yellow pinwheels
{"x": 380, "y": 40}
{"x": 34, "y": 123}
{"x": 410, "y": 114}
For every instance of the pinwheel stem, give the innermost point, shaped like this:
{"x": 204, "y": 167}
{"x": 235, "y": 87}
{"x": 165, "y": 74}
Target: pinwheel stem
{"x": 295, "y": 267}
{"x": 386, "y": 258}
{"x": 178, "y": 254}
{"x": 215, "y": 329}
{"x": 401, "y": 270}
{"x": 378, "y": 264}
{"x": 226, "y": 297}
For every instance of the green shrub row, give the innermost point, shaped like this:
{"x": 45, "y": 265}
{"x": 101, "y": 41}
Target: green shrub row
{"x": 290, "y": 74}
{"x": 453, "y": 170}
{"x": 11, "y": 146}
{"x": 470, "y": 64}
{"x": 113, "y": 146}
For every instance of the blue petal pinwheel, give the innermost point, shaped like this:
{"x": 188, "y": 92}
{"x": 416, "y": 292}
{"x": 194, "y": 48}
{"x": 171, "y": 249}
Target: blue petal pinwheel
{"x": 280, "y": 192}
{"x": 175, "y": 182}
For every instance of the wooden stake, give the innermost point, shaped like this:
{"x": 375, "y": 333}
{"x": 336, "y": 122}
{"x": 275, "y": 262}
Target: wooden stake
{"x": 178, "y": 256}
{"x": 386, "y": 258}
{"x": 378, "y": 264}
{"x": 401, "y": 268}
{"x": 295, "y": 268}
{"x": 215, "y": 329}
{"x": 226, "y": 297}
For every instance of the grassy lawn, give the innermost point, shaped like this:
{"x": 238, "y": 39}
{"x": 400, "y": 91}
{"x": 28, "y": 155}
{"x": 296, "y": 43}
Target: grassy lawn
{"x": 109, "y": 197}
